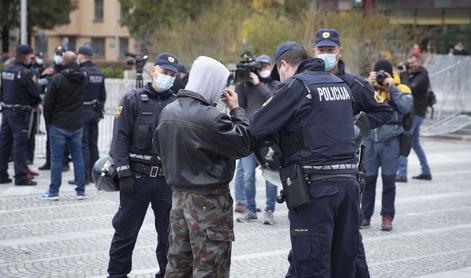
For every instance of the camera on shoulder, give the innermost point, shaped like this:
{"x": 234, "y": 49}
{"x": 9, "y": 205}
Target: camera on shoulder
{"x": 246, "y": 65}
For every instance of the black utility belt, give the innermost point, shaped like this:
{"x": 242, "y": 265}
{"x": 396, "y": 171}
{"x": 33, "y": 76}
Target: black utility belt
{"x": 148, "y": 170}
{"x": 17, "y": 107}
{"x": 318, "y": 177}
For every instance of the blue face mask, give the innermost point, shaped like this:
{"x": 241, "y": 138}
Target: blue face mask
{"x": 330, "y": 60}
{"x": 57, "y": 59}
{"x": 164, "y": 82}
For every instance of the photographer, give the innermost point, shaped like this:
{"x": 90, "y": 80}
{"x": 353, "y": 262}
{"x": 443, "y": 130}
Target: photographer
{"x": 252, "y": 95}
{"x": 382, "y": 148}
{"x": 416, "y": 77}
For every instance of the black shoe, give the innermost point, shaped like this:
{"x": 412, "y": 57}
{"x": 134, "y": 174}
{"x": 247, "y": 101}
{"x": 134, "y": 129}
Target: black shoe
{"x": 401, "y": 179}
{"x": 365, "y": 223}
{"x": 46, "y": 166}
{"x": 7, "y": 180}
{"x": 423, "y": 177}
{"x": 65, "y": 168}
{"x": 26, "y": 182}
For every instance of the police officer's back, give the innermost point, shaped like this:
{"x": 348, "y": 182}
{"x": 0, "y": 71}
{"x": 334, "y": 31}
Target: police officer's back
{"x": 141, "y": 180}
{"x": 312, "y": 113}
{"x": 19, "y": 94}
{"x": 94, "y": 101}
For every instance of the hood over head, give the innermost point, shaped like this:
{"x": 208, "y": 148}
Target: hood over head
{"x": 208, "y": 77}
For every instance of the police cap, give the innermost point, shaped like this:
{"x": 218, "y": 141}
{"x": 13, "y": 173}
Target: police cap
{"x": 327, "y": 37}
{"x": 280, "y": 50}
{"x": 182, "y": 68}
{"x": 86, "y": 50}
{"x": 167, "y": 61}
{"x": 24, "y": 49}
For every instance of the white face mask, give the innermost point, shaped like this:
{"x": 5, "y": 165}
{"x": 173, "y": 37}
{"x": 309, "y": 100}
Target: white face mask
{"x": 264, "y": 73}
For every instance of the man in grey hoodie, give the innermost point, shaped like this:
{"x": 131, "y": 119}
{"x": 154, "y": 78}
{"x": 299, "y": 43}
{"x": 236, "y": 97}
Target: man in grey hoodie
{"x": 198, "y": 145}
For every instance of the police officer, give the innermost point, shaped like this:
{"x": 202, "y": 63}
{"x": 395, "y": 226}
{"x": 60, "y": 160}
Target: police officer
{"x": 94, "y": 102}
{"x": 319, "y": 162}
{"x": 141, "y": 179}
{"x": 19, "y": 95}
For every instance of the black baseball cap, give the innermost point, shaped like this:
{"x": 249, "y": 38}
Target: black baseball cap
{"x": 24, "y": 49}
{"x": 280, "y": 50}
{"x": 167, "y": 61}
{"x": 327, "y": 37}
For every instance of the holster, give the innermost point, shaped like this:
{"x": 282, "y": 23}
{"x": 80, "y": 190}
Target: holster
{"x": 295, "y": 187}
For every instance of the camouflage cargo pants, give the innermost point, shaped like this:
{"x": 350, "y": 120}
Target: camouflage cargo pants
{"x": 201, "y": 235}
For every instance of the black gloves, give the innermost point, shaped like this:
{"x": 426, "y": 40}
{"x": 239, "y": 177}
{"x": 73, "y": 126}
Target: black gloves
{"x": 126, "y": 185}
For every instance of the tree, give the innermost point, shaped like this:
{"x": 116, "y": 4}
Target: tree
{"x": 44, "y": 14}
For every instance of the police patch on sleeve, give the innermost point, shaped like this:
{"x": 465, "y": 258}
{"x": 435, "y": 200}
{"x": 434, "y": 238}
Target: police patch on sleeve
{"x": 118, "y": 111}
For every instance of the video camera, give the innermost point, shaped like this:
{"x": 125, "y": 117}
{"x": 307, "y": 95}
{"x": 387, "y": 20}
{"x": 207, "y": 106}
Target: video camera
{"x": 246, "y": 65}
{"x": 139, "y": 60}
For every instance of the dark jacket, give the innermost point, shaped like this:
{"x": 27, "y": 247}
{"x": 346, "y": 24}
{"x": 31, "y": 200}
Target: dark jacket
{"x": 419, "y": 83}
{"x": 363, "y": 98}
{"x": 312, "y": 113}
{"x": 198, "y": 144}
{"x": 63, "y": 101}
{"x": 251, "y": 97}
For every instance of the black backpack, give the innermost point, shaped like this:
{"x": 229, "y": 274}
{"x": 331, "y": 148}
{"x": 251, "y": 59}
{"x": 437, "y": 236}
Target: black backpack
{"x": 431, "y": 101}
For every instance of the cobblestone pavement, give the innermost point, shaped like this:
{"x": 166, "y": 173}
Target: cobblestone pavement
{"x": 71, "y": 238}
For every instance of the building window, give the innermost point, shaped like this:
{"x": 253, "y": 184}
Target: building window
{"x": 99, "y": 11}
{"x": 69, "y": 43}
{"x": 123, "y": 47}
{"x": 41, "y": 44}
{"x": 99, "y": 47}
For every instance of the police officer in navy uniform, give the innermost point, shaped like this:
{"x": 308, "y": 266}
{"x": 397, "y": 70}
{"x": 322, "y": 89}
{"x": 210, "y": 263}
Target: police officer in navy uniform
{"x": 94, "y": 102}
{"x": 318, "y": 160}
{"x": 19, "y": 95}
{"x": 141, "y": 179}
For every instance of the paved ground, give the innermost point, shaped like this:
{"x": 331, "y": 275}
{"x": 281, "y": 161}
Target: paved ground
{"x": 70, "y": 238}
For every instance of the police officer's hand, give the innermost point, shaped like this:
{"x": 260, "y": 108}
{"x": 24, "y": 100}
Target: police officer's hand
{"x": 48, "y": 71}
{"x": 389, "y": 80}
{"x": 126, "y": 185}
{"x": 231, "y": 98}
{"x": 254, "y": 79}
{"x": 372, "y": 77}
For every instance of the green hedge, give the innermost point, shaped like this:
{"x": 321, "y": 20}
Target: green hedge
{"x": 112, "y": 72}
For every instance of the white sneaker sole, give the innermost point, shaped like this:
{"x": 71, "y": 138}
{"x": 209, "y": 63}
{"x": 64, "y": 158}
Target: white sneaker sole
{"x": 81, "y": 197}
{"x": 56, "y": 198}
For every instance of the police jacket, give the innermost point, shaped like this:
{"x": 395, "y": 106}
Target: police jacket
{"x": 19, "y": 86}
{"x": 399, "y": 97}
{"x": 312, "y": 112}
{"x": 419, "y": 82}
{"x": 136, "y": 118}
{"x": 199, "y": 145}
{"x": 95, "y": 93}
{"x": 251, "y": 97}
{"x": 63, "y": 100}
{"x": 363, "y": 98}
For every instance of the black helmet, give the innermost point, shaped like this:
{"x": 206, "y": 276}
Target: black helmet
{"x": 268, "y": 154}
{"x": 105, "y": 175}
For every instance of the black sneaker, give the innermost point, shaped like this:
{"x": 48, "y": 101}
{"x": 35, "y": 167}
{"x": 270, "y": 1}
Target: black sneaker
{"x": 7, "y": 180}
{"x": 401, "y": 179}
{"x": 46, "y": 166}
{"x": 65, "y": 168}
{"x": 423, "y": 177}
{"x": 365, "y": 223}
{"x": 26, "y": 182}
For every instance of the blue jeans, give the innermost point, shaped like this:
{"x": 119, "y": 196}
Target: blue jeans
{"x": 249, "y": 164}
{"x": 58, "y": 139}
{"x": 415, "y": 130}
{"x": 239, "y": 184}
